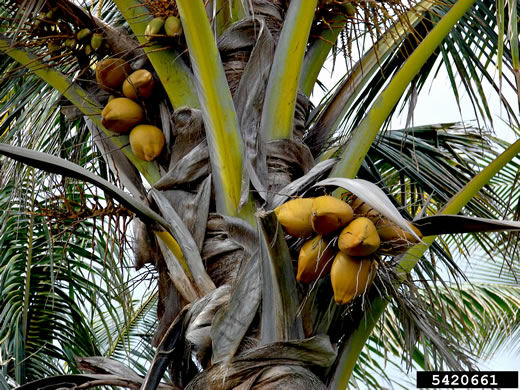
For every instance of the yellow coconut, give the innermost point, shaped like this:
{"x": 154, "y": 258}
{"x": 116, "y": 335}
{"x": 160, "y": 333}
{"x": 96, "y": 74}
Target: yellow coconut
{"x": 329, "y": 214}
{"x": 389, "y": 231}
{"x": 359, "y": 238}
{"x": 295, "y": 217}
{"x": 111, "y": 72}
{"x": 121, "y": 114}
{"x": 350, "y": 276}
{"x": 87, "y": 50}
{"x": 314, "y": 260}
{"x": 140, "y": 83}
{"x": 363, "y": 209}
{"x": 147, "y": 142}
{"x": 395, "y": 240}
{"x": 70, "y": 43}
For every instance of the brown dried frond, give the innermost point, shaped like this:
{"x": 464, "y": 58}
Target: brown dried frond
{"x": 61, "y": 209}
{"x": 71, "y": 215}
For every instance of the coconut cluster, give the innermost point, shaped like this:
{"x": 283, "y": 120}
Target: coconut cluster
{"x": 343, "y": 239}
{"x": 125, "y": 114}
{"x": 61, "y": 35}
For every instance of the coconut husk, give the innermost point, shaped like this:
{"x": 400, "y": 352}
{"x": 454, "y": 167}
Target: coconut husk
{"x": 250, "y": 102}
{"x": 226, "y": 245}
{"x": 198, "y": 327}
{"x": 104, "y": 365}
{"x": 186, "y": 188}
{"x": 193, "y": 167}
{"x": 235, "y": 46}
{"x": 287, "y": 378}
{"x": 272, "y": 12}
{"x": 286, "y": 161}
{"x": 232, "y": 323}
{"x": 188, "y": 130}
{"x": 223, "y": 264}
{"x": 234, "y": 66}
{"x": 234, "y": 247}
{"x": 284, "y": 365}
{"x": 189, "y": 155}
{"x": 236, "y": 42}
{"x": 193, "y": 208}
{"x": 301, "y": 114}
{"x": 199, "y": 280}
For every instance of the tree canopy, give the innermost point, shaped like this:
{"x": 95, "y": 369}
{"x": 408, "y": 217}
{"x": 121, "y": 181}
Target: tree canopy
{"x": 142, "y": 242}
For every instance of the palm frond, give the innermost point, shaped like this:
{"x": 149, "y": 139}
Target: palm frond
{"x": 127, "y": 336}
{"x": 424, "y": 166}
{"x": 470, "y": 60}
{"x": 42, "y": 284}
{"x": 60, "y": 264}
{"x": 484, "y": 315}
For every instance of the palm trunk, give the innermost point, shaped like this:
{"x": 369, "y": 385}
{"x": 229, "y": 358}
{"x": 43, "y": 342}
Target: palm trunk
{"x": 229, "y": 248}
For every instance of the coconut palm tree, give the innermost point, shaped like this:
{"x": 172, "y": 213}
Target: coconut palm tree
{"x": 216, "y": 303}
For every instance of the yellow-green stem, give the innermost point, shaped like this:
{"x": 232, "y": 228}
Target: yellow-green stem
{"x": 229, "y": 12}
{"x": 220, "y": 119}
{"x": 318, "y": 52}
{"x": 363, "y": 71}
{"x": 282, "y": 87}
